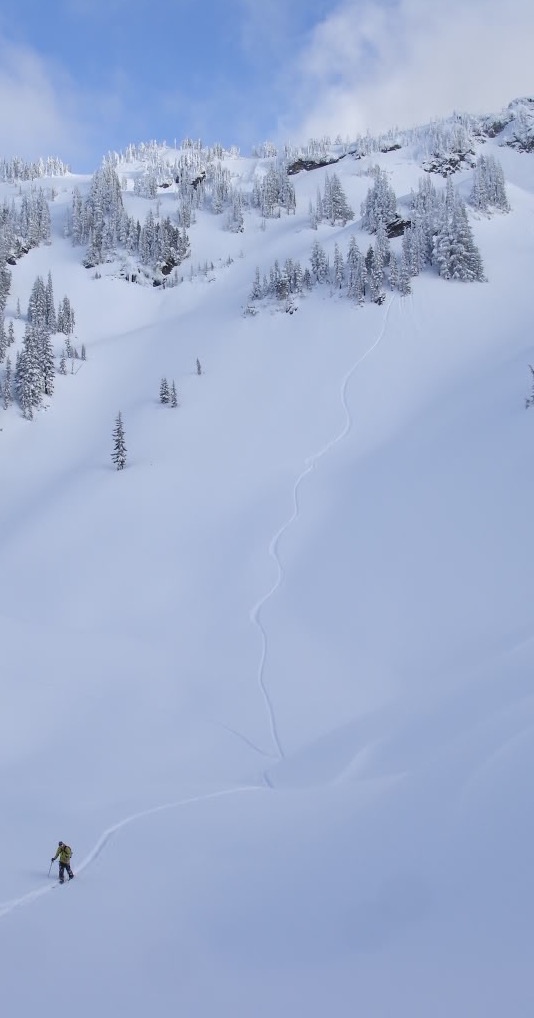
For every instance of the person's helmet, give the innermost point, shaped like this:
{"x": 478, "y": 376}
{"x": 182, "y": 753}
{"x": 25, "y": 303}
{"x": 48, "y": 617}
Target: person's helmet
{"x": 60, "y": 843}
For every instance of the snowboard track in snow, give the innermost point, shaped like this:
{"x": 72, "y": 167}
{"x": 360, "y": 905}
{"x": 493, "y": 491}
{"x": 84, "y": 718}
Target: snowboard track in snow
{"x": 105, "y": 837}
{"x": 255, "y": 616}
{"x": 310, "y": 465}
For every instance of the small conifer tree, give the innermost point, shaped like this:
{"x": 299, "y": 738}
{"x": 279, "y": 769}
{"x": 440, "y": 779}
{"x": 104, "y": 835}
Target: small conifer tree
{"x": 8, "y": 398}
{"x": 118, "y": 455}
{"x": 164, "y": 394}
{"x": 174, "y": 395}
{"x": 530, "y": 399}
{"x": 199, "y": 367}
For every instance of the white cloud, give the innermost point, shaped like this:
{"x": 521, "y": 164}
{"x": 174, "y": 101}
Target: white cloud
{"x": 378, "y": 65}
{"x": 269, "y": 31}
{"x": 36, "y": 106}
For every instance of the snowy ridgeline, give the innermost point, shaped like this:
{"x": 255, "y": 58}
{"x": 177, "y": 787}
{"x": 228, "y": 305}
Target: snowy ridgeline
{"x": 452, "y": 138}
{"x": 160, "y": 246}
{"x": 435, "y": 230}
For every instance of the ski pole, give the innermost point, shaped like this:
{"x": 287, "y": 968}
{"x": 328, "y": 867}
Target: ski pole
{"x": 50, "y": 867}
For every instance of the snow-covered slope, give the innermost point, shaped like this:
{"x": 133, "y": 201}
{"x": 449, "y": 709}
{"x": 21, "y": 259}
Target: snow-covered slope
{"x": 273, "y": 681}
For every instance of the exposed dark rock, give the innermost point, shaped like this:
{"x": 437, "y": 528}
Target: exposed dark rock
{"x": 525, "y": 144}
{"x": 397, "y": 227}
{"x": 310, "y": 164}
{"x": 19, "y": 252}
{"x": 198, "y": 180}
{"x": 391, "y": 148}
{"x": 494, "y": 127}
{"x": 449, "y": 163}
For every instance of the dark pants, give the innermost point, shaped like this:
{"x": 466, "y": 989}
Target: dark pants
{"x": 62, "y": 867}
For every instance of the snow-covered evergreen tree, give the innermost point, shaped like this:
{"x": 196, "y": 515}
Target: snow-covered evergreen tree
{"x": 65, "y": 318}
{"x": 404, "y": 284}
{"x": 47, "y": 365}
{"x": 455, "y": 251}
{"x": 357, "y": 272}
{"x": 312, "y": 213}
{"x": 335, "y": 207}
{"x": 29, "y": 375}
{"x": 319, "y": 263}
{"x": 234, "y": 220}
{"x": 529, "y": 401}
{"x": 382, "y": 244}
{"x": 164, "y": 394}
{"x": 37, "y": 304}
{"x": 375, "y": 273}
{"x": 380, "y": 205}
{"x": 3, "y": 339}
{"x": 489, "y": 187}
{"x": 256, "y": 291}
{"x": 339, "y": 268}
{"x": 118, "y": 456}
{"x": 5, "y": 285}
{"x": 274, "y": 192}
{"x": 394, "y": 272}
{"x": 7, "y": 385}
{"x": 51, "y": 320}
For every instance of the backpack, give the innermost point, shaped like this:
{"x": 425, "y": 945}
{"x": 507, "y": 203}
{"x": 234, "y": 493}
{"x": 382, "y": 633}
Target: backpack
{"x": 66, "y": 851}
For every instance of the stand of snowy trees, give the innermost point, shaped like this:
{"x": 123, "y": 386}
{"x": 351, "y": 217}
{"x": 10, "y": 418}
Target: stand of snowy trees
{"x": 168, "y": 394}
{"x": 274, "y": 192}
{"x": 489, "y": 188}
{"x": 24, "y": 225}
{"x": 15, "y": 169}
{"x": 7, "y": 338}
{"x": 102, "y": 222}
{"x": 353, "y": 274}
{"x": 438, "y": 235}
{"x": 35, "y": 370}
{"x": 199, "y": 179}
{"x": 331, "y": 205}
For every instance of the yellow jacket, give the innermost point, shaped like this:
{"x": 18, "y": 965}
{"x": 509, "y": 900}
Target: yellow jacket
{"x": 64, "y": 853}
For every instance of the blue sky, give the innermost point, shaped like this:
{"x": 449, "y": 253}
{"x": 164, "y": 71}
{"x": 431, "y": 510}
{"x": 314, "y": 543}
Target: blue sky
{"x": 78, "y": 77}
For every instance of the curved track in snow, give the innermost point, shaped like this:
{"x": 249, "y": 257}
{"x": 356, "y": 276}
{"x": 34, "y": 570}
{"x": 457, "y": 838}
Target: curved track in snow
{"x": 105, "y": 837}
{"x": 310, "y": 465}
{"x": 255, "y": 615}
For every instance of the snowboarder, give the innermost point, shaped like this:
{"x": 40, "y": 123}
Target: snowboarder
{"x": 64, "y": 853}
